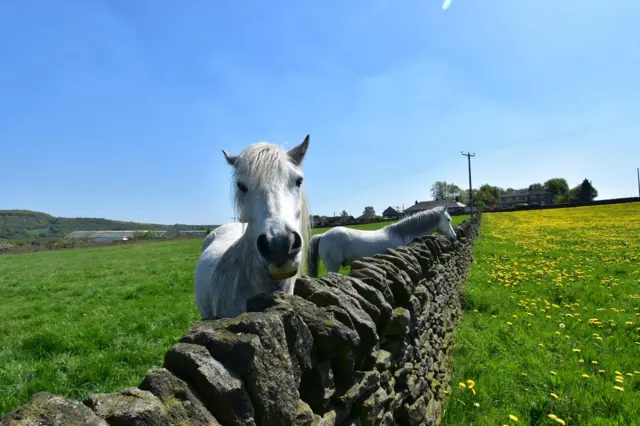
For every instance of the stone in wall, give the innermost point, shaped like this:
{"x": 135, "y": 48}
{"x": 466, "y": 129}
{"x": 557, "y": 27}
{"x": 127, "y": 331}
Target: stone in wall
{"x": 371, "y": 348}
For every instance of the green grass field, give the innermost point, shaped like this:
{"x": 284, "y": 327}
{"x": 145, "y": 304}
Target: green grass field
{"x": 90, "y": 320}
{"x": 551, "y": 329}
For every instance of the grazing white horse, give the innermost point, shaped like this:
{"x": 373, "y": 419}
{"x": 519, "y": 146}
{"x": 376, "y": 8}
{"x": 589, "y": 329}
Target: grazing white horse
{"x": 340, "y": 246}
{"x": 265, "y": 251}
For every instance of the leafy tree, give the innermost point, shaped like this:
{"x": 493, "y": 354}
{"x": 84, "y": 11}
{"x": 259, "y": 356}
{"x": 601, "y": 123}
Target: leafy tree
{"x": 584, "y": 192}
{"x": 369, "y": 211}
{"x": 344, "y": 213}
{"x": 536, "y": 187}
{"x": 488, "y": 196}
{"x": 441, "y": 190}
{"x": 559, "y": 188}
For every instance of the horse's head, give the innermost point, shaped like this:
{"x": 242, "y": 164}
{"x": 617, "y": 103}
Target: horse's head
{"x": 444, "y": 226}
{"x": 270, "y": 198}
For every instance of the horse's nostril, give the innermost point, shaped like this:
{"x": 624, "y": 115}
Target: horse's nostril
{"x": 296, "y": 244}
{"x": 263, "y": 245}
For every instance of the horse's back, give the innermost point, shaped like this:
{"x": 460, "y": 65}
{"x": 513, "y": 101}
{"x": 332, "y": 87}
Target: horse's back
{"x": 216, "y": 245}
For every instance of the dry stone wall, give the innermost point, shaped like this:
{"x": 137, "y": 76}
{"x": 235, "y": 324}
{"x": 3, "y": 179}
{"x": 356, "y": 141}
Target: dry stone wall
{"x": 371, "y": 348}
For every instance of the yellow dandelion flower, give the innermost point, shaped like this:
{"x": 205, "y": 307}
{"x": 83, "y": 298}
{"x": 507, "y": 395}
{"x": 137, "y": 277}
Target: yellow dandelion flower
{"x": 462, "y": 385}
{"x": 601, "y": 371}
{"x": 554, "y": 395}
{"x": 586, "y": 376}
{"x": 628, "y": 323}
{"x": 559, "y": 420}
{"x": 470, "y": 384}
{"x": 618, "y": 373}
{"x": 475, "y": 310}
{"x": 548, "y": 316}
{"x": 630, "y": 374}
{"x": 514, "y": 418}
{"x": 508, "y": 323}
{"x": 581, "y": 361}
{"x": 576, "y": 350}
{"x": 552, "y": 372}
{"x": 618, "y": 388}
{"x": 473, "y": 391}
{"x": 552, "y": 416}
{"x": 636, "y": 372}
{"x": 524, "y": 374}
{"x": 598, "y": 338}
{"x": 594, "y": 362}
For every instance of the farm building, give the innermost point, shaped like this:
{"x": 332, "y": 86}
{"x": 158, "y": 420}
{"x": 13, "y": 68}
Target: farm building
{"x": 525, "y": 197}
{"x": 396, "y": 212}
{"x": 453, "y": 206}
{"x": 107, "y": 236}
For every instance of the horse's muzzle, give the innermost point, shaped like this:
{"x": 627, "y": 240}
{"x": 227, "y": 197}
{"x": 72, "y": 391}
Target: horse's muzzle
{"x": 280, "y": 250}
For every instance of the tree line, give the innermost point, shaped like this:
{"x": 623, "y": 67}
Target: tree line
{"x": 488, "y": 196}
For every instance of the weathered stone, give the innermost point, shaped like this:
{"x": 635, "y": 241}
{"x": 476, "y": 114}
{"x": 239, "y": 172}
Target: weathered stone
{"x": 52, "y": 410}
{"x": 253, "y": 346}
{"x": 432, "y": 412}
{"x": 179, "y": 399}
{"x": 364, "y": 384}
{"x": 388, "y": 420}
{"x": 131, "y": 407}
{"x": 412, "y": 414}
{"x": 331, "y": 337}
{"x": 222, "y": 391}
{"x": 415, "y": 309}
{"x": 400, "y": 282}
{"x": 318, "y": 387}
{"x": 377, "y": 299}
{"x": 329, "y": 419}
{"x": 373, "y": 276}
{"x": 400, "y": 322}
{"x": 383, "y": 360}
{"x": 346, "y": 285}
{"x": 323, "y": 295}
{"x": 403, "y": 261}
{"x": 304, "y": 415}
{"x": 400, "y": 350}
{"x": 416, "y": 386}
{"x": 293, "y": 311}
{"x": 372, "y": 406}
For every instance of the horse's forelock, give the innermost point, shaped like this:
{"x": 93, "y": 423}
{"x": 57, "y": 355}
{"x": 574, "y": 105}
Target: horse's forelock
{"x": 265, "y": 162}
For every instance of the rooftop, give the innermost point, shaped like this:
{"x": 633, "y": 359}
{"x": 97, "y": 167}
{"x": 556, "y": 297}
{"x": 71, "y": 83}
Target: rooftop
{"x": 427, "y": 205}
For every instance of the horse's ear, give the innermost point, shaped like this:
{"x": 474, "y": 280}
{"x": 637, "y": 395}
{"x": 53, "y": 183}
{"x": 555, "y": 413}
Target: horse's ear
{"x": 231, "y": 159}
{"x": 296, "y": 154}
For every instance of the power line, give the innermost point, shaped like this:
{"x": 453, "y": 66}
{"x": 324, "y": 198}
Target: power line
{"x": 469, "y": 155}
{"x": 564, "y": 134}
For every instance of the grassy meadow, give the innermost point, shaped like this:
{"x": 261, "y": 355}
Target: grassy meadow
{"x": 88, "y": 320}
{"x": 551, "y": 332}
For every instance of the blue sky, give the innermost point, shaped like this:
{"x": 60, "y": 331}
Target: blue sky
{"x": 120, "y": 109}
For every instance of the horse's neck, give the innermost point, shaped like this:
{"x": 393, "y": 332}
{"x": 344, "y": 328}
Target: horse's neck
{"x": 251, "y": 274}
{"x": 414, "y": 227}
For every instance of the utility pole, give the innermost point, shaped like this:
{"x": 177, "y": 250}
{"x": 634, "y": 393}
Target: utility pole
{"x": 469, "y": 155}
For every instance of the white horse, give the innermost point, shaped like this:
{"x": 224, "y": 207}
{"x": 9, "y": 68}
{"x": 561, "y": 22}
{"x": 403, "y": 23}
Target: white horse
{"x": 265, "y": 251}
{"x": 340, "y": 246}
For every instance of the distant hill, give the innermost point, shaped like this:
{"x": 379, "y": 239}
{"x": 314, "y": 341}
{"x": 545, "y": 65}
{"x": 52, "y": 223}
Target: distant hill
{"x": 28, "y": 225}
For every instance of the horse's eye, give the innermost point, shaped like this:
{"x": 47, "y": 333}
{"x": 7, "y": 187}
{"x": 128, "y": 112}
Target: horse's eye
{"x": 299, "y": 182}
{"x": 242, "y": 187}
